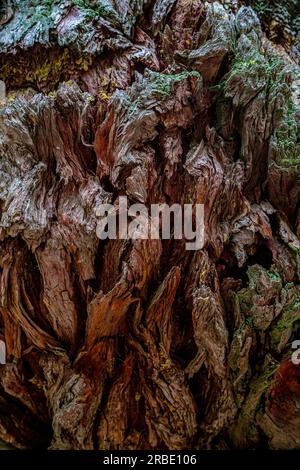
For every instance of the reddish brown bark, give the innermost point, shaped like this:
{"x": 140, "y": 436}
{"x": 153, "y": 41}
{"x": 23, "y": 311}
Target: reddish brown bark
{"x": 141, "y": 344}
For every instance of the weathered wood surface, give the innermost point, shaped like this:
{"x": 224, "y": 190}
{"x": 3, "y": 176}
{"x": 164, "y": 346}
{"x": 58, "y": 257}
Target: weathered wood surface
{"x": 141, "y": 344}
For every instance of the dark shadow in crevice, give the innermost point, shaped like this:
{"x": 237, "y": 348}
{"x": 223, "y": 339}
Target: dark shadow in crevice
{"x": 263, "y": 257}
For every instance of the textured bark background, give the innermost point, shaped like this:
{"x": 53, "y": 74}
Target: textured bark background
{"x": 141, "y": 344}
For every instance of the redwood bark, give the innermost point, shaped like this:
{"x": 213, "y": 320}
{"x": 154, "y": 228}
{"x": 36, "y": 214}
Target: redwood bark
{"x": 141, "y": 344}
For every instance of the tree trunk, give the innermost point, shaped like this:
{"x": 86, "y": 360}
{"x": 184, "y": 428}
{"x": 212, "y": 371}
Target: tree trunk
{"x": 142, "y": 344}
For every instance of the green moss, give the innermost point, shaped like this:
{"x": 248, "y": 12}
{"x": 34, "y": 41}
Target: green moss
{"x": 261, "y": 7}
{"x": 286, "y": 138}
{"x": 249, "y": 321}
{"x": 38, "y": 12}
{"x": 294, "y": 306}
{"x": 288, "y": 319}
{"x": 44, "y": 3}
{"x": 162, "y": 84}
{"x": 102, "y": 9}
{"x": 274, "y": 276}
{"x": 242, "y": 67}
{"x": 267, "y": 70}
{"x": 255, "y": 71}
{"x": 244, "y": 298}
{"x": 293, "y": 247}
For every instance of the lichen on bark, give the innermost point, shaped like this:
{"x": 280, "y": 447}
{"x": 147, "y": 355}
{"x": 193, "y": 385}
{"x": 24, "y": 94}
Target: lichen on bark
{"x": 141, "y": 344}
